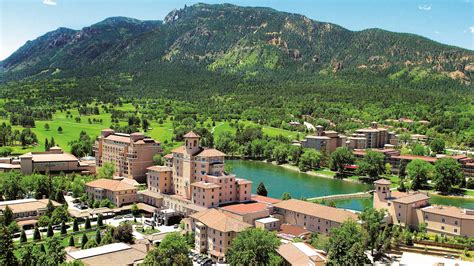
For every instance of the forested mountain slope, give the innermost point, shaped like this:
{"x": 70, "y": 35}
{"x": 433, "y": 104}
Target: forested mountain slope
{"x": 228, "y": 39}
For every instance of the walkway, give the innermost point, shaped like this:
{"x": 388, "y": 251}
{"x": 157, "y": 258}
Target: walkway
{"x": 365, "y": 194}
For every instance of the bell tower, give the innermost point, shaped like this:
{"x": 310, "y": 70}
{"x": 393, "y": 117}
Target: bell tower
{"x": 191, "y": 141}
{"x": 382, "y": 188}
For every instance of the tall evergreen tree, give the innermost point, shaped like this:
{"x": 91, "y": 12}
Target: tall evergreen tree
{"x": 75, "y": 225}
{"x": 71, "y": 241}
{"x": 36, "y": 234}
{"x": 84, "y": 240}
{"x": 7, "y": 257}
{"x": 63, "y": 228}
{"x": 262, "y": 190}
{"x": 98, "y": 236}
{"x": 88, "y": 223}
{"x": 23, "y": 238}
{"x": 50, "y": 232}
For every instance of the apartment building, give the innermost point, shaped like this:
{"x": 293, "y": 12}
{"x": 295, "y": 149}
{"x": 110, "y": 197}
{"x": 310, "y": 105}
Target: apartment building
{"x": 119, "y": 192}
{"x": 27, "y": 211}
{"x": 214, "y": 231}
{"x": 131, "y": 154}
{"x": 412, "y": 208}
{"x": 314, "y": 217}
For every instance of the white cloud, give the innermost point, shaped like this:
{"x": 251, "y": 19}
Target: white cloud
{"x": 471, "y": 29}
{"x": 437, "y": 32}
{"x": 424, "y": 7}
{"x": 49, "y": 2}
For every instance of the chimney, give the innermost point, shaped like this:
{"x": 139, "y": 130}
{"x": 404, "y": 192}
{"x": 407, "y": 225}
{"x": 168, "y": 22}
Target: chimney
{"x": 374, "y": 124}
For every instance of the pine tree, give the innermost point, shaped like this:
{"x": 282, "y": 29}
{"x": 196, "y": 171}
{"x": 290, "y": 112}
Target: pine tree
{"x": 262, "y": 190}
{"x": 98, "y": 237}
{"x": 63, "y": 228}
{"x": 46, "y": 144}
{"x": 84, "y": 240}
{"x": 36, "y": 234}
{"x": 52, "y": 143}
{"x": 7, "y": 257}
{"x": 100, "y": 223}
{"x": 23, "y": 238}
{"x": 75, "y": 226}
{"x": 71, "y": 241}
{"x": 88, "y": 223}
{"x": 60, "y": 130}
{"x": 50, "y": 232}
{"x": 50, "y": 208}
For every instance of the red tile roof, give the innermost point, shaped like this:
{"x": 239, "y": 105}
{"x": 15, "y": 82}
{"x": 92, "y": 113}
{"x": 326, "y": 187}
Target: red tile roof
{"x": 245, "y": 208}
{"x": 264, "y": 199}
{"x": 191, "y": 134}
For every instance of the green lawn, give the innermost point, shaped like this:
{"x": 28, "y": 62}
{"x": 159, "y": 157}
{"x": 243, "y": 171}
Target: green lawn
{"x": 65, "y": 238}
{"x": 270, "y": 131}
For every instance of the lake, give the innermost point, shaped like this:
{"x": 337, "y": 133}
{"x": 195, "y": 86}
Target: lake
{"x": 278, "y": 180}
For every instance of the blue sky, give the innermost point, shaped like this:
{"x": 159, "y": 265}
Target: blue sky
{"x": 446, "y": 21}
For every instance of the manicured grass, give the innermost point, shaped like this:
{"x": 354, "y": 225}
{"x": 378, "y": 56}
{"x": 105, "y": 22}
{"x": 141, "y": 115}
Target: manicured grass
{"x": 270, "y": 131}
{"x": 325, "y": 171}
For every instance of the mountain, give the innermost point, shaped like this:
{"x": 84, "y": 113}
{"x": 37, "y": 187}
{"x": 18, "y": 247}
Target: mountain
{"x": 232, "y": 40}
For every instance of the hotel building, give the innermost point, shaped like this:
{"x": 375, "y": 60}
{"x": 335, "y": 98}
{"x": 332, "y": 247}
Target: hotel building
{"x": 119, "y": 192}
{"x": 27, "y": 211}
{"x": 314, "y": 217}
{"x": 412, "y": 208}
{"x": 131, "y": 154}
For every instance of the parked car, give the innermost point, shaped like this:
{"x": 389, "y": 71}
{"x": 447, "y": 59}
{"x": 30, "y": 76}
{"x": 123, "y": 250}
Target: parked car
{"x": 128, "y": 216}
{"x": 149, "y": 222}
{"x": 206, "y": 262}
{"x": 76, "y": 201}
{"x": 118, "y": 217}
{"x": 176, "y": 226}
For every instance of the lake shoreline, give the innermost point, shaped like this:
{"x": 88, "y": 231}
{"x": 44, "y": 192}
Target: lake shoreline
{"x": 312, "y": 173}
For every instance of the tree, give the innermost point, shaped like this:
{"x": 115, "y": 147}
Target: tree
{"x": 345, "y": 245}
{"x": 371, "y": 222}
{"x": 123, "y": 233}
{"x": 418, "y": 149}
{"x": 173, "y": 250}
{"x": 7, "y": 216}
{"x": 106, "y": 171}
{"x": 106, "y": 203}
{"x": 158, "y": 159}
{"x": 448, "y": 173}
{"x": 36, "y": 234}
{"x": 88, "y": 223}
{"x": 60, "y": 130}
{"x": 50, "y": 232}
{"x": 419, "y": 172}
{"x": 63, "y": 228}
{"x": 286, "y": 196}
{"x": 84, "y": 240}
{"x": 23, "y": 238}
{"x": 75, "y": 226}
{"x": 7, "y": 257}
{"x": 310, "y": 159}
{"x": 341, "y": 157}
{"x": 55, "y": 253}
{"x": 49, "y": 208}
{"x": 262, "y": 190}
{"x": 46, "y": 144}
{"x": 60, "y": 214}
{"x": 26, "y": 256}
{"x": 371, "y": 165}
{"x": 98, "y": 236}
{"x": 437, "y": 145}
{"x": 280, "y": 153}
{"x": 388, "y": 168}
{"x": 100, "y": 222}
{"x": 135, "y": 210}
{"x": 71, "y": 241}
{"x": 402, "y": 187}
{"x": 46, "y": 127}
{"x": 253, "y": 246}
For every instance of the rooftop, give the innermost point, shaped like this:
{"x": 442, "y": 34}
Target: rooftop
{"x": 300, "y": 253}
{"x": 49, "y": 156}
{"x": 26, "y": 205}
{"x": 110, "y": 184}
{"x": 411, "y": 198}
{"x": 383, "y": 182}
{"x": 205, "y": 185}
{"x": 293, "y": 230}
{"x": 316, "y": 210}
{"x": 191, "y": 134}
{"x": 267, "y": 220}
{"x": 220, "y": 221}
{"x": 449, "y": 211}
{"x": 264, "y": 199}
{"x": 246, "y": 208}
{"x": 159, "y": 168}
{"x": 112, "y": 254}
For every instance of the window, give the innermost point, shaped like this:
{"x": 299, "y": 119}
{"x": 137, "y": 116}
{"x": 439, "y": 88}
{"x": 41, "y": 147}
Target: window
{"x": 442, "y": 227}
{"x": 455, "y": 222}
{"x": 443, "y": 220}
